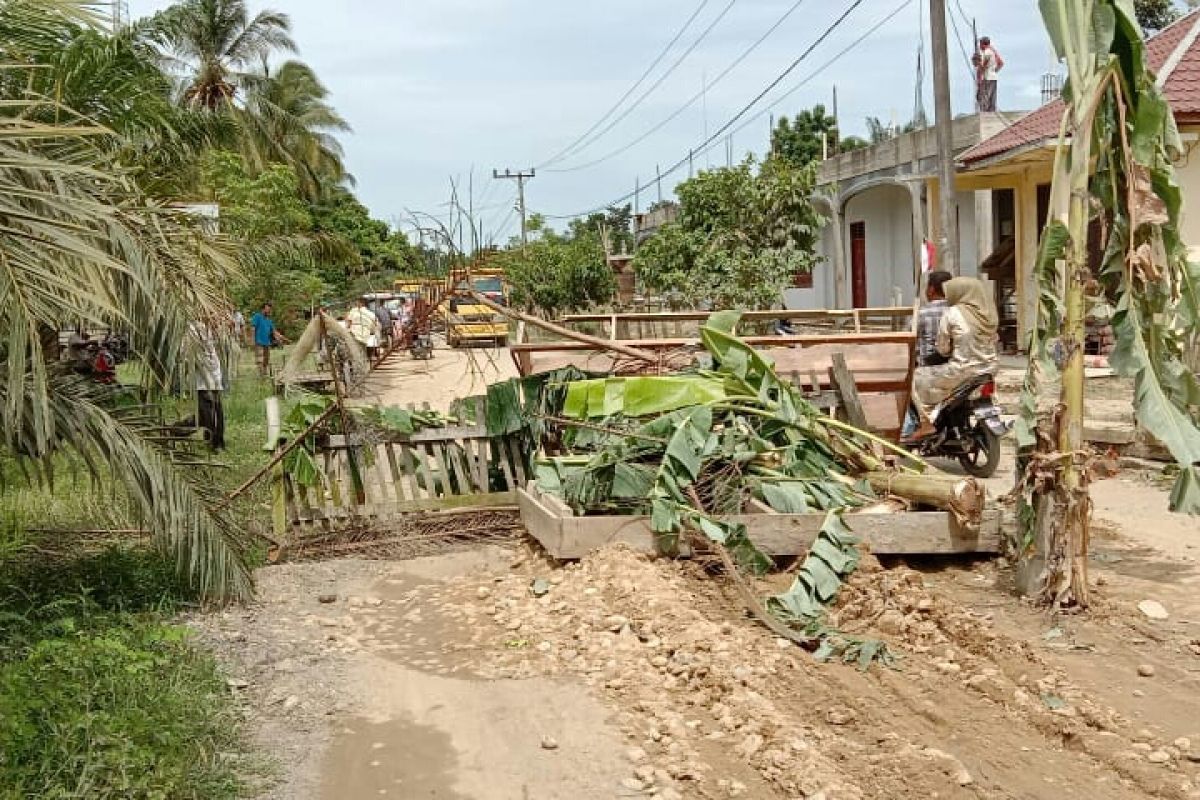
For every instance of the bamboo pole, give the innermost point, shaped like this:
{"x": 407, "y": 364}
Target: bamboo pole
{"x": 600, "y": 344}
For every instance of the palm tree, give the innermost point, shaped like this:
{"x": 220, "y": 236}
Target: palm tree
{"x": 80, "y": 242}
{"x": 288, "y": 120}
{"x": 213, "y": 42}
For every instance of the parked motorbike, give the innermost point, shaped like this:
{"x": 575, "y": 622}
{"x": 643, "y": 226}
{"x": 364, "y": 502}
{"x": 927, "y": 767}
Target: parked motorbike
{"x": 421, "y": 347}
{"x": 968, "y": 428}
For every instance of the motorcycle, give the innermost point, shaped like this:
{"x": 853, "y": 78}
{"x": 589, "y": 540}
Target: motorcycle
{"x": 421, "y": 347}
{"x": 968, "y": 428}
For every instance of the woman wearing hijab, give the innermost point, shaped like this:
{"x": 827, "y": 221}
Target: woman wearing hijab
{"x": 966, "y": 336}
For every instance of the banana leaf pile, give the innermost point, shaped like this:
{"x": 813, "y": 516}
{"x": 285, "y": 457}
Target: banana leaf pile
{"x": 690, "y": 448}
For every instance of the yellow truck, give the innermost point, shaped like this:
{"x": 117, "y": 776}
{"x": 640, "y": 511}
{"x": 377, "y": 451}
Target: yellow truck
{"x": 468, "y": 322}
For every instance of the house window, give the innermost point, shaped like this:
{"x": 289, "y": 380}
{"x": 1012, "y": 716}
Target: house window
{"x": 802, "y": 280}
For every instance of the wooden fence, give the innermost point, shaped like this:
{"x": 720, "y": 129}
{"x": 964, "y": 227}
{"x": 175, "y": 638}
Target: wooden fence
{"x": 430, "y": 470}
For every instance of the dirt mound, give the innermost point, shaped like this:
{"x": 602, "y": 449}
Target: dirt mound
{"x": 714, "y": 705}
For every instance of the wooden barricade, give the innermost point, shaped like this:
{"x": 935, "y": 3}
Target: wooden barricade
{"x": 430, "y": 470}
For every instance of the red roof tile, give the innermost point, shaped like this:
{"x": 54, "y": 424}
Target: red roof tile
{"x": 1182, "y": 89}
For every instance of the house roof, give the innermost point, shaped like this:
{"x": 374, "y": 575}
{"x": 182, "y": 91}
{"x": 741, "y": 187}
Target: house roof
{"x": 1173, "y": 53}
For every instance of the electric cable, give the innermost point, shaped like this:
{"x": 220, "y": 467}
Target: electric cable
{"x": 730, "y": 123}
{"x": 690, "y": 102}
{"x": 662, "y": 54}
{"x": 659, "y": 82}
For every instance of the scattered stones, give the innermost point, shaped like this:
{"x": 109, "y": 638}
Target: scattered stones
{"x": 1153, "y": 609}
{"x": 327, "y": 598}
{"x": 840, "y": 716}
{"x": 483, "y": 593}
{"x": 549, "y": 743}
{"x": 237, "y": 683}
{"x": 635, "y": 755}
{"x": 1183, "y": 743}
{"x": 1146, "y": 670}
{"x": 290, "y": 702}
{"x": 1158, "y": 757}
{"x": 632, "y": 784}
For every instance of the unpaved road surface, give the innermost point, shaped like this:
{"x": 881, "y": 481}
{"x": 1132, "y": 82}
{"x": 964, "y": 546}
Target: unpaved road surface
{"x": 621, "y": 676}
{"x": 450, "y": 374}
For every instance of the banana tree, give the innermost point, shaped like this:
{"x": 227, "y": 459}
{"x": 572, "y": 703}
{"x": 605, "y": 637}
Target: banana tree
{"x": 1113, "y": 163}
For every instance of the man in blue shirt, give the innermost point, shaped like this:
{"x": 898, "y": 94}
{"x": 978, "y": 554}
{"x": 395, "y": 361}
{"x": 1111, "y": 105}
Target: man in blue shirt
{"x": 265, "y": 337}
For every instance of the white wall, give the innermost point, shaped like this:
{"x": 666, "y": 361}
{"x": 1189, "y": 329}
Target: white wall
{"x": 822, "y": 295}
{"x": 887, "y": 214}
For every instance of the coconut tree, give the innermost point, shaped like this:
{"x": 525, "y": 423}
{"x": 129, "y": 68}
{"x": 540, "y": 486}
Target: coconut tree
{"x": 212, "y": 43}
{"x": 287, "y": 119}
{"x": 1113, "y": 163}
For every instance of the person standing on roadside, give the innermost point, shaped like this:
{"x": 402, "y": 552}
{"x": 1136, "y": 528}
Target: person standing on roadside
{"x": 385, "y": 323}
{"x": 363, "y": 326}
{"x": 210, "y": 383}
{"x": 266, "y": 336}
{"x": 988, "y": 64}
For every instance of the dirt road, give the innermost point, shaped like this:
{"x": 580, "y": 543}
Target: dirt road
{"x": 449, "y": 677}
{"x": 450, "y": 374}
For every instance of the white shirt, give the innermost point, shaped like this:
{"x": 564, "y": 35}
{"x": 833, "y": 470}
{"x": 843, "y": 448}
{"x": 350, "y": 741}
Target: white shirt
{"x": 989, "y": 63}
{"x": 208, "y": 364}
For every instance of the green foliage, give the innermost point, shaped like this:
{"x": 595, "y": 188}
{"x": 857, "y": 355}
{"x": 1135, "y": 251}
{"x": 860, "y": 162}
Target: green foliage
{"x": 1154, "y": 15}
{"x": 99, "y": 697}
{"x": 806, "y": 137}
{"x": 380, "y": 249}
{"x": 122, "y": 711}
{"x": 616, "y": 223}
{"x": 741, "y": 237}
{"x": 558, "y": 272}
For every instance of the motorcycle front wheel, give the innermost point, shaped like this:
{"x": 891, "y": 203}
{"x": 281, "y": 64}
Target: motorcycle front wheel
{"x": 984, "y": 457}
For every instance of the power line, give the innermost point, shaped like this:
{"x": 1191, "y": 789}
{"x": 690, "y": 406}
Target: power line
{"x": 674, "y": 40}
{"x": 703, "y": 34}
{"x": 720, "y": 132}
{"x": 816, "y": 72}
{"x": 691, "y": 102}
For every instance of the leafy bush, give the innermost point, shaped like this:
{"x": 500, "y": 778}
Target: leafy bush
{"x": 124, "y": 711}
{"x": 99, "y": 698}
{"x": 741, "y": 237}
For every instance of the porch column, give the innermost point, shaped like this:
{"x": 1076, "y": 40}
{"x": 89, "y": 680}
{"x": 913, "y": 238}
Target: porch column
{"x": 1026, "y": 241}
{"x": 918, "y": 231}
{"x": 839, "y": 252}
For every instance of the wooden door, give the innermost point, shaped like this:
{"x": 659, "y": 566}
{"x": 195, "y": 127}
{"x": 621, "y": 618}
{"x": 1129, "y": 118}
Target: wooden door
{"x": 858, "y": 264}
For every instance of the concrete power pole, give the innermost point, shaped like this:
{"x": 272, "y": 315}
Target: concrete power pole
{"x": 947, "y": 245}
{"x": 520, "y": 177}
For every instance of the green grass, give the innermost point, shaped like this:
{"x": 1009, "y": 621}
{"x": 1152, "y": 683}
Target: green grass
{"x": 101, "y": 695}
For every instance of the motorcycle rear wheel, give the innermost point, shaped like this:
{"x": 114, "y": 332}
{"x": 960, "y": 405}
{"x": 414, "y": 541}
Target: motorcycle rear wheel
{"x": 984, "y": 458}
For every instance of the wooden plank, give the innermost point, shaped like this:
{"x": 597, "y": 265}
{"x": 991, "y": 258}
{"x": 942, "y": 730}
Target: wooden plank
{"x": 497, "y": 445}
{"x": 782, "y": 342}
{"x": 437, "y": 457}
{"x": 491, "y": 500}
{"x": 482, "y": 464}
{"x": 462, "y": 475}
{"x": 843, "y": 381}
{"x": 518, "y": 460}
{"x": 394, "y": 471}
{"x": 423, "y": 457}
{"x": 904, "y": 533}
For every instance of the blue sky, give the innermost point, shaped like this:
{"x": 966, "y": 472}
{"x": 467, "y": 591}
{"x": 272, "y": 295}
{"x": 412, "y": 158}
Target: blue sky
{"x": 437, "y": 88}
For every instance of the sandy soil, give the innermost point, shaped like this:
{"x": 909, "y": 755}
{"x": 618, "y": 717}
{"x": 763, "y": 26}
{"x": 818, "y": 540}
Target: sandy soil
{"x": 448, "y": 677}
{"x": 451, "y": 373}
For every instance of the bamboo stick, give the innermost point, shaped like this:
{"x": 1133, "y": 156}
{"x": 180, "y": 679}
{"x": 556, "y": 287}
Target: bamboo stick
{"x": 601, "y": 344}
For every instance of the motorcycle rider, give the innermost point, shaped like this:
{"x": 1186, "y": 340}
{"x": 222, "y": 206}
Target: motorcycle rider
{"x": 966, "y": 336}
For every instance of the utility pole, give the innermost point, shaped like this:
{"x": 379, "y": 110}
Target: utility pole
{"x": 944, "y": 122}
{"x": 520, "y": 177}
